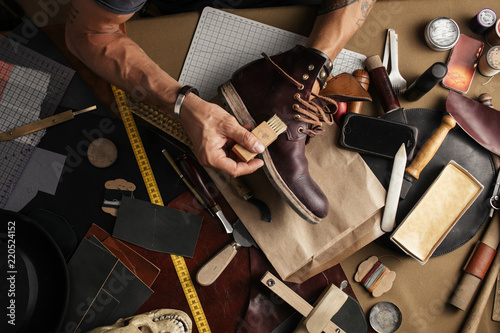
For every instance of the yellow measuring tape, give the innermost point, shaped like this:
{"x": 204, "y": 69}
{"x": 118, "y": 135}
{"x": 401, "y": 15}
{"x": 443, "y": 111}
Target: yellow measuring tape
{"x": 155, "y": 197}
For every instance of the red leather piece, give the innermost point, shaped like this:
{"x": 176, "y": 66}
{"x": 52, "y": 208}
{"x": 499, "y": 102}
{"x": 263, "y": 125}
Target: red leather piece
{"x": 223, "y": 302}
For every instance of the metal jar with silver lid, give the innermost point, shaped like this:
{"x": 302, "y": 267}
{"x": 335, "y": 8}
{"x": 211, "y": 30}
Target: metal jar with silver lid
{"x": 442, "y": 33}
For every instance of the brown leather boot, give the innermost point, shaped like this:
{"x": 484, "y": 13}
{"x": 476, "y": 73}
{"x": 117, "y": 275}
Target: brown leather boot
{"x": 282, "y": 85}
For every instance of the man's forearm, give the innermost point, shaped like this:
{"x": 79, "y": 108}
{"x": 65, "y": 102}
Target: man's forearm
{"x": 93, "y": 35}
{"x": 337, "y": 22}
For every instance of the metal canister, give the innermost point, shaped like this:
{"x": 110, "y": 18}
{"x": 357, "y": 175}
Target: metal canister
{"x": 489, "y": 63}
{"x": 484, "y": 20}
{"x": 442, "y": 33}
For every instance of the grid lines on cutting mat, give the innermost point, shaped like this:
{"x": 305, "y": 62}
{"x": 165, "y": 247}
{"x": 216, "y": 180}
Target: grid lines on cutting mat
{"x": 32, "y": 88}
{"x": 223, "y": 42}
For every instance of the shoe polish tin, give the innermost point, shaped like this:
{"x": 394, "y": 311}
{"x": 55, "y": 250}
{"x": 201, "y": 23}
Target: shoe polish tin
{"x": 385, "y": 317}
{"x": 442, "y": 33}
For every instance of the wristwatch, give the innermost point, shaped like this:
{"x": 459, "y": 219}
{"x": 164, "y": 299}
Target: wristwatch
{"x": 186, "y": 90}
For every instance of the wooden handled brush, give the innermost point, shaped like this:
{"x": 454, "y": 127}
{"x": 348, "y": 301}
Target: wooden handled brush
{"x": 266, "y": 132}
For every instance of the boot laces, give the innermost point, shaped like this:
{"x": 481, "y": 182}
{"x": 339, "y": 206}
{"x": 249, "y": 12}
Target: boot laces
{"x": 315, "y": 111}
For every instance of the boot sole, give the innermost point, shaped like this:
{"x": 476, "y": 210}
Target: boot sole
{"x": 237, "y": 108}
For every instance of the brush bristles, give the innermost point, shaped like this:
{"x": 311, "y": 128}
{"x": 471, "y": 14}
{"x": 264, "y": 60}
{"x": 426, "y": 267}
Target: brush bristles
{"x": 277, "y": 124}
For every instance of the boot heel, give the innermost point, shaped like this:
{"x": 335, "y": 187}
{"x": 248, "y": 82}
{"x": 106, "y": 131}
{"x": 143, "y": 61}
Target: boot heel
{"x": 234, "y": 104}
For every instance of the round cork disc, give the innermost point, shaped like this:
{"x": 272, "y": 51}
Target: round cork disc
{"x": 102, "y": 153}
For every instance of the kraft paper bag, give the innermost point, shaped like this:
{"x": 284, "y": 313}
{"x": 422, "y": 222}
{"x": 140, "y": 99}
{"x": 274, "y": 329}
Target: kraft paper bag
{"x": 297, "y": 249}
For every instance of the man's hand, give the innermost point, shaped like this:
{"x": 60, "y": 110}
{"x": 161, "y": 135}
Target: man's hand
{"x": 213, "y": 132}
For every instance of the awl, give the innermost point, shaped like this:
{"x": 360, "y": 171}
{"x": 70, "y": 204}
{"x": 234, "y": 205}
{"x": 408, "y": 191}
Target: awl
{"x": 394, "y": 190}
{"x": 193, "y": 172}
{"x": 426, "y": 153}
{"x": 209, "y": 272}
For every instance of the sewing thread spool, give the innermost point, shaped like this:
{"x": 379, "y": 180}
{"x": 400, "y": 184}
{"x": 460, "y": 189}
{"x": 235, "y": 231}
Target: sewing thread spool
{"x": 375, "y": 276}
{"x": 489, "y": 63}
{"x": 484, "y": 20}
{"x": 493, "y": 35}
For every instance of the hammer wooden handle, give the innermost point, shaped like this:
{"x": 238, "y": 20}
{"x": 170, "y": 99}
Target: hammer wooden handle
{"x": 431, "y": 146}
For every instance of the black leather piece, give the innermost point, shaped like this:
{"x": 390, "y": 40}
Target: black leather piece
{"x": 157, "y": 228}
{"x": 103, "y": 289}
{"x": 457, "y": 146}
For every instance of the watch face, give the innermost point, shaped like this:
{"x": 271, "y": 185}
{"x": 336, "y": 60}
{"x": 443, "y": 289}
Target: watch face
{"x": 444, "y": 32}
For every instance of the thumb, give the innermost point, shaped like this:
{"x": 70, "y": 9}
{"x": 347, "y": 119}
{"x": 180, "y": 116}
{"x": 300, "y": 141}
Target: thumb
{"x": 245, "y": 138}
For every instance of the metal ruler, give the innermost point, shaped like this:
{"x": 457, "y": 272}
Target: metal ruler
{"x": 155, "y": 197}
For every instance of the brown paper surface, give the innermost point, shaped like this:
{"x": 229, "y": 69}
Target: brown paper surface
{"x": 298, "y": 250}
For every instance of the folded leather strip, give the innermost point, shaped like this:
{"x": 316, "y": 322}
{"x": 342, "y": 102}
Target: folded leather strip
{"x": 480, "y": 260}
{"x": 478, "y": 120}
{"x": 345, "y": 88}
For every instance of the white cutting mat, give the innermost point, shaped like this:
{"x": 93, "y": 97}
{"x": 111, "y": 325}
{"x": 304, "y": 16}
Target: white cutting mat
{"x": 223, "y": 42}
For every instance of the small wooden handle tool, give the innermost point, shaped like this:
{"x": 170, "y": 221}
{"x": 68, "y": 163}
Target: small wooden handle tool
{"x": 430, "y": 147}
{"x": 43, "y": 123}
{"x": 211, "y": 270}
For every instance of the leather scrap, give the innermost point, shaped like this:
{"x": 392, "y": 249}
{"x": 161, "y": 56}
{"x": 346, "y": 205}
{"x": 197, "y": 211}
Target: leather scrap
{"x": 140, "y": 266}
{"x": 481, "y": 122}
{"x": 345, "y": 88}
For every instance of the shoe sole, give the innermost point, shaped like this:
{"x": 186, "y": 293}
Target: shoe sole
{"x": 237, "y": 108}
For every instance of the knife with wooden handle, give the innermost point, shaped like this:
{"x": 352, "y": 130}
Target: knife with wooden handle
{"x": 211, "y": 270}
{"x": 43, "y": 123}
{"x": 426, "y": 153}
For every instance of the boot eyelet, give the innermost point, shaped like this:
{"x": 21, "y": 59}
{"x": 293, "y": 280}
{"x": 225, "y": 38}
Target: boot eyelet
{"x": 311, "y": 67}
{"x": 296, "y": 107}
{"x": 305, "y": 77}
{"x": 296, "y": 96}
{"x": 297, "y": 117}
{"x": 301, "y": 87}
{"x": 300, "y": 129}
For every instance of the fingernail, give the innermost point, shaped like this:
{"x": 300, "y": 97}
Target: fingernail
{"x": 259, "y": 147}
